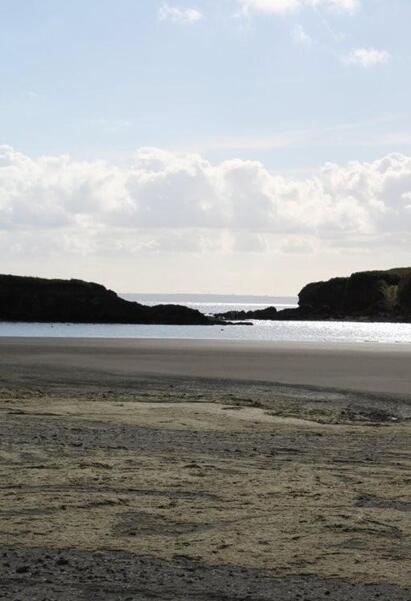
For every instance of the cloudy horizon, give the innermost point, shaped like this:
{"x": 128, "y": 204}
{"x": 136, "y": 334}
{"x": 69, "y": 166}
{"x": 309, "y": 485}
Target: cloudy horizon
{"x": 244, "y": 146}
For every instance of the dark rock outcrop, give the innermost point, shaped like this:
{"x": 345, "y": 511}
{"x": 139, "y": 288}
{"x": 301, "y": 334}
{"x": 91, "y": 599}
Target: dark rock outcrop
{"x": 364, "y": 296}
{"x": 270, "y": 313}
{"x": 367, "y": 295}
{"x": 404, "y": 294}
{"x": 76, "y": 301}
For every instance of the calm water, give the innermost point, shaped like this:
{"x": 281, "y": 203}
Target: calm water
{"x": 214, "y": 303}
{"x": 344, "y": 332}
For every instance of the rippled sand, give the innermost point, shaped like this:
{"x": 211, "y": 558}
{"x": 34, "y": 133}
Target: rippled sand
{"x": 183, "y": 488}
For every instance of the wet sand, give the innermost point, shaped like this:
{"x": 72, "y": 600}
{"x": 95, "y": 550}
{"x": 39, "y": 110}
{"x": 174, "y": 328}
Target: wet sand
{"x": 136, "y": 470}
{"x": 362, "y": 367}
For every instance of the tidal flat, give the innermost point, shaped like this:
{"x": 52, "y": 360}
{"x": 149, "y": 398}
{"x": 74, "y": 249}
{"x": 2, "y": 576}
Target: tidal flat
{"x": 185, "y": 488}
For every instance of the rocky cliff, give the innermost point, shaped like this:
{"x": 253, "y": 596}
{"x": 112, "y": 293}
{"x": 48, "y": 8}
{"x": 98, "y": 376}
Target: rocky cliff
{"x": 76, "y": 301}
{"x": 380, "y": 295}
{"x": 363, "y": 296}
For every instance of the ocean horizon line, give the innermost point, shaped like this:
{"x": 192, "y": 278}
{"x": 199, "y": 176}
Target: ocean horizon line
{"x": 195, "y": 296}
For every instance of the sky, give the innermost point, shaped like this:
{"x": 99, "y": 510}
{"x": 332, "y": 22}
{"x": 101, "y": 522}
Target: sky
{"x": 208, "y": 146}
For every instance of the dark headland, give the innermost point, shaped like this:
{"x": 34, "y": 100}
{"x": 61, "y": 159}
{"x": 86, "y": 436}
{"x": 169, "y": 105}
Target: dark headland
{"x": 364, "y": 296}
{"x": 44, "y": 300}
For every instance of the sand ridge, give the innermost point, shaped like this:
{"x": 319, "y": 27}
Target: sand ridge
{"x": 284, "y": 496}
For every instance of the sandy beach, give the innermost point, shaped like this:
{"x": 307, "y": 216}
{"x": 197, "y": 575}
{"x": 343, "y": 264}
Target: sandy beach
{"x": 150, "y": 469}
{"x": 364, "y": 367}
{"x": 205, "y": 300}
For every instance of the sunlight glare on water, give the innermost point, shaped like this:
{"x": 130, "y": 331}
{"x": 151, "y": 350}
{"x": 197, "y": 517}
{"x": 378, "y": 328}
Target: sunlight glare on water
{"x": 316, "y": 332}
{"x": 275, "y": 331}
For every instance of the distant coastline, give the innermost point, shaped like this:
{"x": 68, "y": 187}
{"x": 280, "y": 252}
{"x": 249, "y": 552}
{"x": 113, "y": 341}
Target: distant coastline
{"x": 373, "y": 296}
{"x": 179, "y": 298}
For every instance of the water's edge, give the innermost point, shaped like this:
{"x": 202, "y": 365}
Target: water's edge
{"x": 274, "y": 331}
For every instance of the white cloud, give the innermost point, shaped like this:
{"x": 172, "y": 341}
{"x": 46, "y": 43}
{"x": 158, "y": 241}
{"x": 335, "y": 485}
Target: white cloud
{"x": 366, "y": 57}
{"x": 300, "y": 36}
{"x": 278, "y": 7}
{"x": 343, "y": 5}
{"x": 186, "y": 16}
{"x": 167, "y": 202}
{"x": 270, "y": 6}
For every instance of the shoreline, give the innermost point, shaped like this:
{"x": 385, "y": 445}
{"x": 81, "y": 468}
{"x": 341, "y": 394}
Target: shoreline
{"x": 292, "y": 344}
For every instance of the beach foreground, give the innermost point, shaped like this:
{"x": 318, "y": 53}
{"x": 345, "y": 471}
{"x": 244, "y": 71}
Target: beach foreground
{"x": 374, "y": 368}
{"x": 133, "y": 470}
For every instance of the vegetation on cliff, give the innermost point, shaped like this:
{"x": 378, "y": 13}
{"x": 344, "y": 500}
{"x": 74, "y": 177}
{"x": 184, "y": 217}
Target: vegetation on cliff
{"x": 368, "y": 294}
{"x": 363, "y": 296}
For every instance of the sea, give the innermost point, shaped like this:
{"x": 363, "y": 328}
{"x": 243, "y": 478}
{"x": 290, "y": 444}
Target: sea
{"x": 281, "y": 331}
